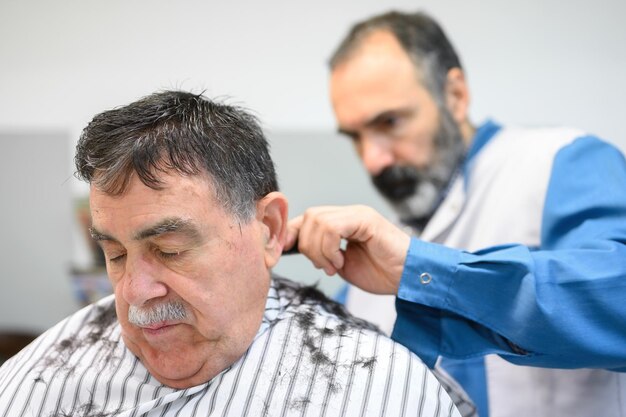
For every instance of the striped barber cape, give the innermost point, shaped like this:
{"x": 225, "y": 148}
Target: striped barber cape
{"x": 309, "y": 358}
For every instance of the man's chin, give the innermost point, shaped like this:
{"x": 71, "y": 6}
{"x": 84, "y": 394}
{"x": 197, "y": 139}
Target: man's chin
{"x": 183, "y": 364}
{"x": 180, "y": 381}
{"x": 170, "y": 367}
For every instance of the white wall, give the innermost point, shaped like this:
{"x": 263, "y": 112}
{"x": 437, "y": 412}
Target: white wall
{"x": 532, "y": 61}
{"x": 528, "y": 62}
{"x": 35, "y": 245}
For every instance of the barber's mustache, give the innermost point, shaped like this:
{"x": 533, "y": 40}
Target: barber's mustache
{"x": 158, "y": 313}
{"x": 397, "y": 182}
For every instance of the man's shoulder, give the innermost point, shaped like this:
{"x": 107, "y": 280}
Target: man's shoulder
{"x": 76, "y": 350}
{"x": 321, "y": 327}
{"x": 307, "y": 303}
{"x": 317, "y": 356}
{"x": 90, "y": 328}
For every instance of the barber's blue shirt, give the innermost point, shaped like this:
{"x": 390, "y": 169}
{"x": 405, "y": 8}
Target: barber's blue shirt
{"x": 558, "y": 303}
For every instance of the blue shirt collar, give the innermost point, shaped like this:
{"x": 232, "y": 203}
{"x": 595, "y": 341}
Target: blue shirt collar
{"x": 483, "y": 134}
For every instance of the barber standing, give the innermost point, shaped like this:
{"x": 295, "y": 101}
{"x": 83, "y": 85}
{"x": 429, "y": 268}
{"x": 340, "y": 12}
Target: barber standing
{"x": 520, "y": 264}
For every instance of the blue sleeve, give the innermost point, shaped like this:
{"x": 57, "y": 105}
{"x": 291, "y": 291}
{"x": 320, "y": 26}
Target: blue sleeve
{"x": 560, "y": 305}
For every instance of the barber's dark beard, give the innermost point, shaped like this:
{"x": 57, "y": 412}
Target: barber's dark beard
{"x": 396, "y": 183}
{"x": 415, "y": 193}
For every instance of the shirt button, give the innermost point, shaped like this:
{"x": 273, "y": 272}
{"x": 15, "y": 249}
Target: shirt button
{"x": 425, "y": 278}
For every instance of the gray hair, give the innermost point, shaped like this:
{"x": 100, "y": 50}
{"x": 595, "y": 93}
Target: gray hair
{"x": 184, "y": 133}
{"x": 421, "y": 38}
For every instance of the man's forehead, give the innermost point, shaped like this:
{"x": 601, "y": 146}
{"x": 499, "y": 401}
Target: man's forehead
{"x": 180, "y": 203}
{"x": 187, "y": 227}
{"x": 170, "y": 183}
{"x": 154, "y": 177}
{"x": 168, "y": 225}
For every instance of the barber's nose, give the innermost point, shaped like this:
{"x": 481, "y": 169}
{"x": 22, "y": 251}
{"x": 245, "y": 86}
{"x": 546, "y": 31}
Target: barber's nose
{"x": 142, "y": 281}
{"x": 375, "y": 154}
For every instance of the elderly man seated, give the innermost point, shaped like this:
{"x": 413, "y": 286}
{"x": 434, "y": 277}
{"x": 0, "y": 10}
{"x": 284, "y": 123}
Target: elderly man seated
{"x": 185, "y": 206}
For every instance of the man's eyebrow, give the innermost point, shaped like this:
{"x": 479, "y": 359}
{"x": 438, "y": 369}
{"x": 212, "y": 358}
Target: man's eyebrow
{"x": 169, "y": 225}
{"x": 99, "y": 236}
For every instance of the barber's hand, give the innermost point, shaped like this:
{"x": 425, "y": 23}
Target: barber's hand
{"x": 376, "y": 249}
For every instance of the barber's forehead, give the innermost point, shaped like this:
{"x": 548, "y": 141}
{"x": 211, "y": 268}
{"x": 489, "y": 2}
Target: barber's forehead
{"x": 378, "y": 41}
{"x": 379, "y": 59}
{"x": 380, "y": 49}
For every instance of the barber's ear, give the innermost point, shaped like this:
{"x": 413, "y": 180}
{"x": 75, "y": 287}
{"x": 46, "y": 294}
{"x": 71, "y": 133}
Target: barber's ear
{"x": 272, "y": 214}
{"x": 457, "y": 95}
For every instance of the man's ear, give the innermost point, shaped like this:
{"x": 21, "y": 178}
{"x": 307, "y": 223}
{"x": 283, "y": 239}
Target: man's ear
{"x": 272, "y": 214}
{"x": 457, "y": 95}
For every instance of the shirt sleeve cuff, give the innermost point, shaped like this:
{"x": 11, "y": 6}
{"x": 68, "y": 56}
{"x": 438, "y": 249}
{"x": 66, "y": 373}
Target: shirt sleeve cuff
{"x": 429, "y": 271}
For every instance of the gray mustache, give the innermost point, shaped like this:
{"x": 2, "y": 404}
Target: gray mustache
{"x": 146, "y": 316}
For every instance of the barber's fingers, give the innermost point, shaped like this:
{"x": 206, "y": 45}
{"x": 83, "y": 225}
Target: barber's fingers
{"x": 375, "y": 252}
{"x": 322, "y": 230}
{"x": 311, "y": 237}
{"x": 323, "y": 249}
{"x": 293, "y": 230}
{"x": 331, "y": 250}
{"x": 322, "y": 245}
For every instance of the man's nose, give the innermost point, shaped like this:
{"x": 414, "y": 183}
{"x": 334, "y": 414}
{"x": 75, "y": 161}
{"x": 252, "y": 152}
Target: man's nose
{"x": 142, "y": 281}
{"x": 376, "y": 154}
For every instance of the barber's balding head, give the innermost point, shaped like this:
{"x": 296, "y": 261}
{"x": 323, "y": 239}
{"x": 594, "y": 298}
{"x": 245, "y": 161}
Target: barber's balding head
{"x": 421, "y": 38}
{"x": 398, "y": 91}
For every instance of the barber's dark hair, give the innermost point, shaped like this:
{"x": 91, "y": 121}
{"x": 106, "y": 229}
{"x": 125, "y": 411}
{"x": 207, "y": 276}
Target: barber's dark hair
{"x": 175, "y": 131}
{"x": 419, "y": 35}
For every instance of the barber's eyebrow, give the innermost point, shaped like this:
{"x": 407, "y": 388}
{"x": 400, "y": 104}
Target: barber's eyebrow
{"x": 397, "y": 112}
{"x": 376, "y": 119}
{"x": 349, "y": 133}
{"x": 168, "y": 225}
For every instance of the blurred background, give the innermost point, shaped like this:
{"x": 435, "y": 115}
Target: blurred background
{"x": 532, "y": 62}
